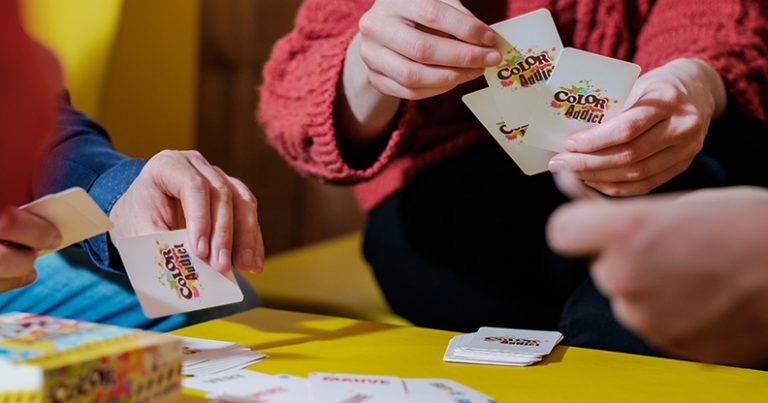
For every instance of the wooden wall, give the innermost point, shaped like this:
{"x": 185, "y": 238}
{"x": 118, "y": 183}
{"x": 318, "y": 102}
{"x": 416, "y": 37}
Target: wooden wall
{"x": 236, "y": 38}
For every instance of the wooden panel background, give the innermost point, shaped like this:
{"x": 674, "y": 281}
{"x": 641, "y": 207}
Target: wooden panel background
{"x": 236, "y": 39}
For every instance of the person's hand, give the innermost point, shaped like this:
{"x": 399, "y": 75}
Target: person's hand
{"x": 656, "y": 138}
{"x": 415, "y": 49}
{"x": 22, "y": 235}
{"x": 688, "y": 274}
{"x": 220, "y": 211}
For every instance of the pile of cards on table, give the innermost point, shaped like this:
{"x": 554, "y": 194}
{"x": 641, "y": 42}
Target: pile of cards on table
{"x": 207, "y": 357}
{"x": 320, "y": 387}
{"x": 498, "y": 346}
{"x": 541, "y": 93}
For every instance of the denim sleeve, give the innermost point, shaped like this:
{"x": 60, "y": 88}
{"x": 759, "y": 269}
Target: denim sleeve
{"x": 81, "y": 154}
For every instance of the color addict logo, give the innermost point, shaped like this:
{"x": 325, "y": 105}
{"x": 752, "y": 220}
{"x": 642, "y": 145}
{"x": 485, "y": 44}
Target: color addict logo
{"x": 585, "y": 102}
{"x": 177, "y": 271}
{"x": 513, "y": 341}
{"x": 524, "y": 69}
{"x": 512, "y": 134}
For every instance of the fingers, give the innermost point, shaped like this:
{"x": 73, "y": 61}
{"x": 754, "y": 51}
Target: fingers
{"x": 454, "y": 21}
{"x": 587, "y": 228}
{"x": 623, "y": 155}
{"x": 248, "y": 242}
{"x": 642, "y": 170}
{"x": 222, "y": 215}
{"x": 416, "y": 49}
{"x": 23, "y": 228}
{"x": 193, "y": 190}
{"x": 425, "y": 48}
{"x": 641, "y": 187}
{"x": 395, "y": 75}
{"x": 16, "y": 267}
{"x": 620, "y": 130}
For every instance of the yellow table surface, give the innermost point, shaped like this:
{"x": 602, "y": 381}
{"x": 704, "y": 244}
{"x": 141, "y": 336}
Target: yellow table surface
{"x": 299, "y": 343}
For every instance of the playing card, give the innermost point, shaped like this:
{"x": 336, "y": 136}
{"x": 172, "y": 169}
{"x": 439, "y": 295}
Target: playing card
{"x": 251, "y": 386}
{"x": 339, "y": 388}
{"x": 512, "y": 341}
{"x": 73, "y": 212}
{"x": 169, "y": 279}
{"x": 585, "y": 90}
{"x": 531, "y": 160}
{"x": 442, "y": 390}
{"x": 530, "y": 46}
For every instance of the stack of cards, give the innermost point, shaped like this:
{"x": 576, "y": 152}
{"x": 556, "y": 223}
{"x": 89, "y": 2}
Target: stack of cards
{"x": 249, "y": 386}
{"x": 541, "y": 93}
{"x": 206, "y": 357}
{"x": 168, "y": 278}
{"x": 498, "y": 346}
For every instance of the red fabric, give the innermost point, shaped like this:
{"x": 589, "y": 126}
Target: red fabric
{"x": 29, "y": 82}
{"x": 301, "y": 77}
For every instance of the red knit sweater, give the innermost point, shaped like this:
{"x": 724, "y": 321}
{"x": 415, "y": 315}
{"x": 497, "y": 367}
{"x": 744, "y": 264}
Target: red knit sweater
{"x": 301, "y": 77}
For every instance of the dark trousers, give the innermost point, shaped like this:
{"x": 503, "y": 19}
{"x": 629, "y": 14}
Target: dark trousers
{"x": 463, "y": 245}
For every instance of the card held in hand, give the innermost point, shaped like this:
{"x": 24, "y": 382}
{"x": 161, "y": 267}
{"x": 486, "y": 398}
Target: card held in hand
{"x": 585, "y": 90}
{"x": 530, "y": 46}
{"x": 168, "y": 278}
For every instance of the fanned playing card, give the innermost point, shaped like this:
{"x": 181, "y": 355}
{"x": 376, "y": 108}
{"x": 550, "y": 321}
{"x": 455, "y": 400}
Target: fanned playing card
{"x": 530, "y": 47}
{"x": 531, "y": 160}
{"x": 585, "y": 90}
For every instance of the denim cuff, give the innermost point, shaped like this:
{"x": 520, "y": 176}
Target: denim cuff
{"x": 105, "y": 191}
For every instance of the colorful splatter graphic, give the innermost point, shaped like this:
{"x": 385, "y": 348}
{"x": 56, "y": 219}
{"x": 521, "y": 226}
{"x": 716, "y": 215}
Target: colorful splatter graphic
{"x": 522, "y": 69}
{"x": 582, "y": 102}
{"x": 513, "y": 341}
{"x": 177, "y": 271}
{"x": 512, "y": 134}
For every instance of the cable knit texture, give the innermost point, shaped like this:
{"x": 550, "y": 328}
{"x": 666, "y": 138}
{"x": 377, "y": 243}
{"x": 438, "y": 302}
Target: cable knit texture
{"x": 302, "y": 76}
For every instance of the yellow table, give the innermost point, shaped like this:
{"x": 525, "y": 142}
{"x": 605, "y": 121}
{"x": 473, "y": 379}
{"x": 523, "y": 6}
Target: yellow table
{"x": 299, "y": 343}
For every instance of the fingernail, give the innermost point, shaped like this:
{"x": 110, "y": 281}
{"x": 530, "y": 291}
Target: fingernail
{"x": 202, "y": 246}
{"x": 556, "y": 165}
{"x": 489, "y": 38}
{"x": 246, "y": 257}
{"x": 225, "y": 257}
{"x": 571, "y": 145}
{"x": 492, "y": 58}
{"x": 259, "y": 264}
{"x": 55, "y": 241}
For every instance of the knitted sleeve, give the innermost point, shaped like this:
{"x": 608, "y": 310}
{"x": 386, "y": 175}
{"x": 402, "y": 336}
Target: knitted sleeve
{"x": 300, "y": 85}
{"x": 731, "y": 35}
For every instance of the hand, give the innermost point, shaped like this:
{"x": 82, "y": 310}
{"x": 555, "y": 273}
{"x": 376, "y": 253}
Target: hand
{"x": 22, "y": 235}
{"x": 655, "y": 138}
{"x": 415, "y": 49}
{"x": 690, "y": 275}
{"x": 219, "y": 210}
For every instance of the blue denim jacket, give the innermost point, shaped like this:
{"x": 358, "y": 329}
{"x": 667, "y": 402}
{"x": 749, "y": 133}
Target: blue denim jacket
{"x": 81, "y": 154}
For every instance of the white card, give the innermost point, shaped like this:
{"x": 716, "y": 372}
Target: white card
{"x": 254, "y": 386}
{"x": 442, "y": 390}
{"x": 338, "y": 388}
{"x": 531, "y": 160}
{"x": 513, "y": 341}
{"x": 74, "y": 213}
{"x": 169, "y": 279}
{"x": 585, "y": 90}
{"x": 529, "y": 46}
